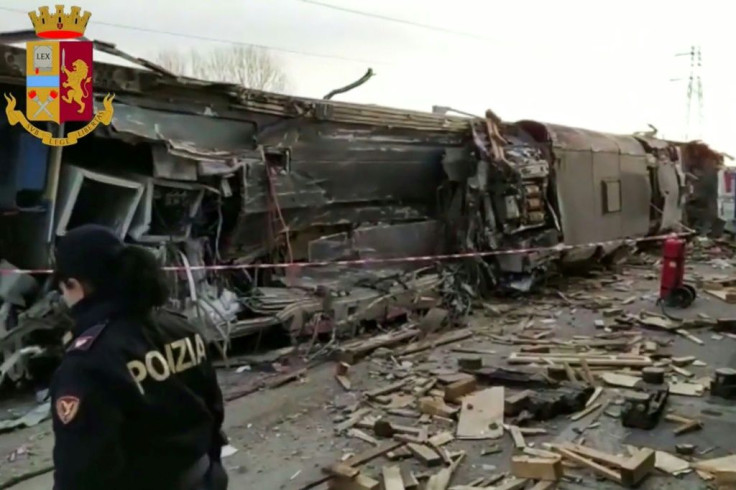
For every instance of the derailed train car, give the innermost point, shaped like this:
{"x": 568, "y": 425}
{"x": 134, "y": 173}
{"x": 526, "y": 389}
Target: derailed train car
{"x": 207, "y": 173}
{"x": 536, "y": 186}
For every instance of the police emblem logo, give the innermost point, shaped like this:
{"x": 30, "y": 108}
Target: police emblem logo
{"x": 67, "y": 408}
{"x": 59, "y": 78}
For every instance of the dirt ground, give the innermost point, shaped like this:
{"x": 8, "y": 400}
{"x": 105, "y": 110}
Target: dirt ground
{"x": 285, "y": 436}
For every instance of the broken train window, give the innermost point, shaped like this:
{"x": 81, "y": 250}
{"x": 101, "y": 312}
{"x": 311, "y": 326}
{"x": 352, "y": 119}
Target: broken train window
{"x": 278, "y": 160}
{"x": 611, "y": 196}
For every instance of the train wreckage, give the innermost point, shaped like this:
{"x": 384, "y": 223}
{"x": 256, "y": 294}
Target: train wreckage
{"x": 210, "y": 173}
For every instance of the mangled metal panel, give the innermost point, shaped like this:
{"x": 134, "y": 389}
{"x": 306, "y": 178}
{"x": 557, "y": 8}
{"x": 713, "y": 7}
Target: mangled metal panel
{"x": 602, "y": 184}
{"x": 400, "y": 240}
{"x": 327, "y": 174}
{"x": 166, "y": 210}
{"x": 667, "y": 182}
{"x": 701, "y": 165}
{"x": 187, "y": 135}
{"x": 94, "y": 197}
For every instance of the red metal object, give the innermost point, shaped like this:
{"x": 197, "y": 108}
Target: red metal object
{"x": 673, "y": 266}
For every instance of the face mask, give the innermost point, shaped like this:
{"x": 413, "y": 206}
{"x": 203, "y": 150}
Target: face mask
{"x": 69, "y": 302}
{"x": 69, "y": 296}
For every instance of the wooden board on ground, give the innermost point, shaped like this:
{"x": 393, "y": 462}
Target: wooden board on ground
{"x": 537, "y": 468}
{"x": 426, "y": 455}
{"x": 636, "y": 468}
{"x": 620, "y": 380}
{"x": 392, "y": 479}
{"x": 355, "y": 350}
{"x": 432, "y": 343}
{"x": 727, "y": 295}
{"x": 360, "y": 482}
{"x": 481, "y": 416}
{"x": 726, "y": 463}
{"x": 686, "y": 389}
{"x": 410, "y": 481}
{"x": 670, "y": 463}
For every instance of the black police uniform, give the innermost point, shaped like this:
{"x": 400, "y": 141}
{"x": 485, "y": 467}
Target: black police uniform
{"x": 136, "y": 404}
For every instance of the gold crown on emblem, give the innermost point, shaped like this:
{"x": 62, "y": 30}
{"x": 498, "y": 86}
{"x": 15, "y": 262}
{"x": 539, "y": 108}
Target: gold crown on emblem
{"x": 59, "y": 25}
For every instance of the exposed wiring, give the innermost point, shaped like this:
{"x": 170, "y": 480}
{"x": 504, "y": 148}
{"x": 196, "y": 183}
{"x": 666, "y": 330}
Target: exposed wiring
{"x": 274, "y": 200}
{"x": 219, "y": 229}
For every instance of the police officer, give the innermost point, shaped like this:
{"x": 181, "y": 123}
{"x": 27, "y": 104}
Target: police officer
{"x": 135, "y": 401}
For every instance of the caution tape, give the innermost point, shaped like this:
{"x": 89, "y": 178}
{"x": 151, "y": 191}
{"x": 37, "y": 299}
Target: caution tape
{"x": 560, "y": 247}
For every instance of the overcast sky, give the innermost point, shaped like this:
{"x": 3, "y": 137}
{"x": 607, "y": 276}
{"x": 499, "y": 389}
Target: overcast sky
{"x": 598, "y": 64}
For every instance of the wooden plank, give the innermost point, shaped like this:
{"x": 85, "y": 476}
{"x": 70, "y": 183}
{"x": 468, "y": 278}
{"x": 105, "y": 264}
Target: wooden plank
{"x": 612, "y": 361}
{"x": 689, "y": 336}
{"x": 586, "y": 372}
{"x": 342, "y": 470}
{"x": 620, "y": 380}
{"x": 636, "y": 468}
{"x": 595, "y": 455}
{"x": 426, "y": 455}
{"x": 392, "y": 479}
{"x": 539, "y": 453}
{"x": 344, "y": 381}
{"x": 598, "y": 391}
{"x": 447, "y": 379}
{"x": 518, "y": 438}
{"x": 360, "y": 482}
{"x": 514, "y": 484}
{"x": 716, "y": 465}
{"x": 585, "y": 412}
{"x": 537, "y": 468}
{"x": 436, "y": 407}
{"x": 686, "y": 389}
{"x": 400, "y": 453}
{"x": 482, "y": 415}
{"x": 410, "y": 481}
{"x": 669, "y": 463}
{"x": 372, "y": 453}
{"x": 356, "y": 417}
{"x": 570, "y": 373}
{"x": 458, "y": 389}
{"x": 447, "y": 338}
{"x": 544, "y": 485}
{"x": 359, "y": 434}
{"x": 589, "y": 463}
{"x": 388, "y": 389}
{"x": 682, "y": 371}
{"x": 358, "y": 460}
{"x": 441, "y": 480}
{"x": 441, "y": 439}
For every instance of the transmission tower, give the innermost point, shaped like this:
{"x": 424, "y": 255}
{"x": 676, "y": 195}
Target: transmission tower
{"x": 694, "y": 94}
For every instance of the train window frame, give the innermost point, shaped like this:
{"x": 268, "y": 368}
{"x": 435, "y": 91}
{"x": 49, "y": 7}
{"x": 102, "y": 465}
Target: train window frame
{"x": 278, "y": 160}
{"x": 611, "y": 193}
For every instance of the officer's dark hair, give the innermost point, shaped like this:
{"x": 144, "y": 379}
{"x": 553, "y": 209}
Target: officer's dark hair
{"x": 108, "y": 268}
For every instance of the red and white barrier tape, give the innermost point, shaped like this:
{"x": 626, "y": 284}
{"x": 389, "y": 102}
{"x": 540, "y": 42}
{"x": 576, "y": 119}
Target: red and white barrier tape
{"x": 395, "y": 260}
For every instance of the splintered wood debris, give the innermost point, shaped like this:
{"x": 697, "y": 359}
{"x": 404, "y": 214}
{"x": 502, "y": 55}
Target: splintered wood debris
{"x": 444, "y": 397}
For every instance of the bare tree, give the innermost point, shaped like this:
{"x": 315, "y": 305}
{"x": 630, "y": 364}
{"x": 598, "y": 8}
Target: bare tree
{"x": 248, "y": 66}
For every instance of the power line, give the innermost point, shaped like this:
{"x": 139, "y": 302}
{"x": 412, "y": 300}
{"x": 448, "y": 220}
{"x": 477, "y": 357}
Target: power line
{"x": 506, "y": 42}
{"x": 694, "y": 91}
{"x": 399, "y": 21}
{"x": 224, "y": 41}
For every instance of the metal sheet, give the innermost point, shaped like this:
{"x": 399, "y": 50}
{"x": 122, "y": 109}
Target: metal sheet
{"x": 190, "y": 134}
{"x": 576, "y": 196}
{"x": 606, "y": 225}
{"x": 670, "y": 185}
{"x": 636, "y": 196}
